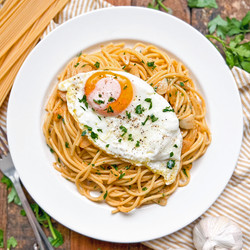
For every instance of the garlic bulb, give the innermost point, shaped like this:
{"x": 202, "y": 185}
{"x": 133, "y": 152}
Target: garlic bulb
{"x": 218, "y": 233}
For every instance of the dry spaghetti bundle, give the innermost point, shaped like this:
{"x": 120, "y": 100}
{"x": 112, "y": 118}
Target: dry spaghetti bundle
{"x": 101, "y": 177}
{"x": 21, "y": 24}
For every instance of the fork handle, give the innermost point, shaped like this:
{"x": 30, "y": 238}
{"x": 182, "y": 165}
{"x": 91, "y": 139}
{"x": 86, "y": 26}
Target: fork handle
{"x": 39, "y": 234}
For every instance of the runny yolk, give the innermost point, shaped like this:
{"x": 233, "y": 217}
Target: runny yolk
{"x": 108, "y": 93}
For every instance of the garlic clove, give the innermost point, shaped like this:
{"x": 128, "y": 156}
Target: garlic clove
{"x": 217, "y": 233}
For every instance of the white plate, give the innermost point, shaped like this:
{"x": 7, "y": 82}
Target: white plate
{"x": 32, "y": 158}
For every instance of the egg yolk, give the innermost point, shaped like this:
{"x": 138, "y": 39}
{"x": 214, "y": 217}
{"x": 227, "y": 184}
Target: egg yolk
{"x": 108, "y": 93}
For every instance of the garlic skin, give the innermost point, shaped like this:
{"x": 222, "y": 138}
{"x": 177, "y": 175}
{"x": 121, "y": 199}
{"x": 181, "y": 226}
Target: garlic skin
{"x": 218, "y": 233}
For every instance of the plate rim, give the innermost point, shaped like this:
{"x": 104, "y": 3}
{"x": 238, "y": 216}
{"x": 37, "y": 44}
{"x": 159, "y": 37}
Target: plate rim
{"x": 91, "y": 13}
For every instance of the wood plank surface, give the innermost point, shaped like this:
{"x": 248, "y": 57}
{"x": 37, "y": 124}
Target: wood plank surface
{"x": 16, "y": 225}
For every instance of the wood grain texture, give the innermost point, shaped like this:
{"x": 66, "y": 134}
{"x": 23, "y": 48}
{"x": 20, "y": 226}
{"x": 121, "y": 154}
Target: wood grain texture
{"x": 16, "y": 225}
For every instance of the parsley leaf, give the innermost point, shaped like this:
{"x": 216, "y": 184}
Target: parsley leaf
{"x": 1, "y": 239}
{"x": 170, "y": 164}
{"x": 105, "y": 195}
{"x": 84, "y": 133}
{"x": 11, "y": 242}
{"x": 202, "y": 3}
{"x": 168, "y": 109}
{"x": 42, "y": 217}
{"x": 137, "y": 144}
{"x": 97, "y": 65}
{"x": 124, "y": 130}
{"x": 130, "y": 137}
{"x": 110, "y": 110}
{"x": 185, "y": 172}
{"x": 128, "y": 114}
{"x": 153, "y": 118}
{"x": 111, "y": 99}
{"x": 98, "y": 101}
{"x": 155, "y": 4}
{"x": 150, "y": 102}
{"x": 139, "y": 109}
{"x": 229, "y": 27}
{"x": 143, "y": 123}
{"x": 84, "y": 100}
{"x": 57, "y": 239}
{"x": 12, "y": 196}
{"x": 94, "y": 135}
{"x": 121, "y": 176}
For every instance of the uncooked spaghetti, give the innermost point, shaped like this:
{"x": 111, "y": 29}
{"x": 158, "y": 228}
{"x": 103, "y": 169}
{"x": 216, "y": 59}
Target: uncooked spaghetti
{"x": 122, "y": 185}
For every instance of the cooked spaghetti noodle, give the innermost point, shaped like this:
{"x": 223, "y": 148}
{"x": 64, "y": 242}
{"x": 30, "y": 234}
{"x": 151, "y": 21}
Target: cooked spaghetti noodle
{"x": 124, "y": 186}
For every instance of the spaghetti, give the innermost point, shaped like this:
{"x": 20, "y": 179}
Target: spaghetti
{"x": 124, "y": 186}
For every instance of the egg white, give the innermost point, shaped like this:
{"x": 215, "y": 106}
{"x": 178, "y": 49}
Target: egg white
{"x": 159, "y": 141}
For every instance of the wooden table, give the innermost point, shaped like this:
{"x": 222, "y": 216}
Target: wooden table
{"x": 16, "y": 225}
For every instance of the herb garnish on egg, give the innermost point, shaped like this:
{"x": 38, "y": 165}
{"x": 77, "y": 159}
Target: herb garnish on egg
{"x": 170, "y": 164}
{"x": 150, "y": 102}
{"x": 168, "y": 109}
{"x": 139, "y": 109}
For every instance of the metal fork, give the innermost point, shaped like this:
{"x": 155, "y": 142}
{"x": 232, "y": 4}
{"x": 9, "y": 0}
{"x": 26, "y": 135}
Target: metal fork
{"x": 8, "y": 169}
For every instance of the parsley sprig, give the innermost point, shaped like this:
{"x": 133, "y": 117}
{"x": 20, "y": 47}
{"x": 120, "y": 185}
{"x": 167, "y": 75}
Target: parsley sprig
{"x": 202, "y": 3}
{"x": 237, "y": 52}
{"x": 42, "y": 217}
{"x": 156, "y": 4}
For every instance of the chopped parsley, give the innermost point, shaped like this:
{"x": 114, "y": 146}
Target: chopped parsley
{"x": 171, "y": 154}
{"x": 119, "y": 140}
{"x": 130, "y": 138}
{"x": 83, "y": 108}
{"x": 143, "y": 123}
{"x": 128, "y": 167}
{"x": 94, "y": 135}
{"x": 149, "y": 100}
{"x": 175, "y": 145}
{"x": 98, "y": 101}
{"x": 124, "y": 130}
{"x": 66, "y": 144}
{"x": 125, "y": 87}
{"x": 182, "y": 84}
{"x": 84, "y": 133}
{"x": 115, "y": 167}
{"x": 137, "y": 144}
{"x": 151, "y": 64}
{"x": 84, "y": 100}
{"x": 59, "y": 117}
{"x": 107, "y": 145}
{"x": 84, "y": 65}
{"x": 111, "y": 99}
{"x": 128, "y": 114}
{"x": 121, "y": 176}
{"x": 170, "y": 164}
{"x": 97, "y": 65}
{"x": 110, "y": 110}
{"x": 153, "y": 118}
{"x": 76, "y": 64}
{"x": 139, "y": 109}
{"x": 142, "y": 61}
{"x": 144, "y": 189}
{"x": 185, "y": 172}
{"x": 168, "y": 109}
{"x": 105, "y": 195}
{"x": 51, "y": 150}
{"x": 99, "y": 118}
{"x": 99, "y": 130}
{"x": 11, "y": 243}
{"x": 124, "y": 67}
{"x": 88, "y": 127}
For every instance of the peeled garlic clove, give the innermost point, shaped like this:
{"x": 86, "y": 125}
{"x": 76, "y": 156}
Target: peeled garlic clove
{"x": 187, "y": 122}
{"x": 218, "y": 233}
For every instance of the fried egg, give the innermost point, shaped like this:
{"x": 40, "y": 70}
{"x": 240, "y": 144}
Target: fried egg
{"x": 123, "y": 116}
